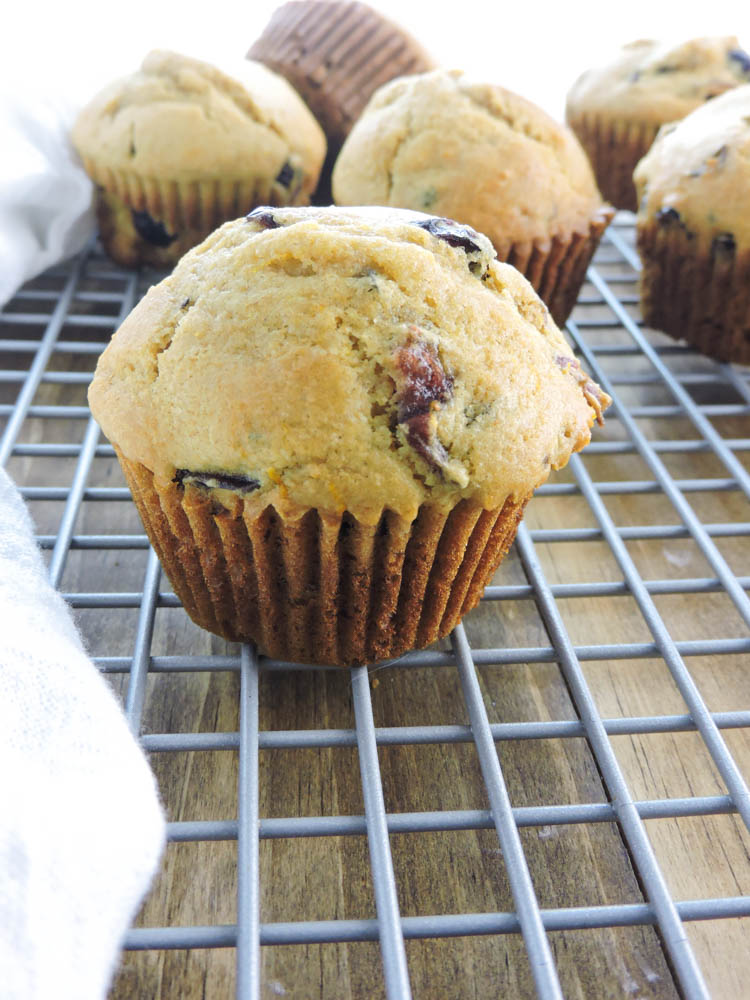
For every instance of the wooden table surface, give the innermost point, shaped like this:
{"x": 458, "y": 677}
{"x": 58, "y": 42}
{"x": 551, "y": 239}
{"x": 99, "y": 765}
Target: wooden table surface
{"x": 447, "y": 872}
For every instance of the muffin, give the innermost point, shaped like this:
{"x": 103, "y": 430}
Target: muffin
{"x": 693, "y": 228}
{"x": 181, "y": 146}
{"x": 336, "y": 54}
{"x": 480, "y": 154}
{"x": 331, "y": 422}
{"x": 616, "y": 109}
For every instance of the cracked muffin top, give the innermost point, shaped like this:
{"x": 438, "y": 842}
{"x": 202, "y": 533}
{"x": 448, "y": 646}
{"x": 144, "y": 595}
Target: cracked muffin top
{"x": 339, "y": 359}
{"x": 656, "y": 82}
{"x": 697, "y": 174}
{"x": 185, "y": 120}
{"x": 444, "y": 143}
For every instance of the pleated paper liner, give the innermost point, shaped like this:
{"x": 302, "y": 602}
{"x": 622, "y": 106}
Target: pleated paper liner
{"x": 614, "y": 148}
{"x": 336, "y": 55}
{"x": 321, "y": 588}
{"x": 188, "y": 211}
{"x": 557, "y": 268}
{"x": 699, "y": 295}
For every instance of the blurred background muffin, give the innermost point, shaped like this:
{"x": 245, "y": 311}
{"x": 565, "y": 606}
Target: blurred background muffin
{"x": 441, "y": 142}
{"x": 331, "y": 421}
{"x": 181, "y": 146}
{"x": 693, "y": 228}
{"x": 336, "y": 53}
{"x": 616, "y": 109}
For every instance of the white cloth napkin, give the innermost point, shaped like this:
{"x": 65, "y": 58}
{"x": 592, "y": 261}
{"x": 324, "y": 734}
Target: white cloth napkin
{"x": 45, "y": 195}
{"x": 81, "y": 828}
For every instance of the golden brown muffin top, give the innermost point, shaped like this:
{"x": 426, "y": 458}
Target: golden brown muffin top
{"x": 183, "y": 119}
{"x": 472, "y": 151}
{"x": 353, "y": 360}
{"x": 697, "y": 173}
{"x": 657, "y": 82}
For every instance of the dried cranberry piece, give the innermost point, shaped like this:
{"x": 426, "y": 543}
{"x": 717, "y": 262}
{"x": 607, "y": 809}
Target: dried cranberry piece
{"x": 741, "y": 57}
{"x": 420, "y": 433}
{"x": 723, "y": 243}
{"x": 286, "y": 175}
{"x": 423, "y": 381}
{"x": 152, "y": 230}
{"x": 667, "y": 216}
{"x": 264, "y": 217}
{"x": 217, "y": 480}
{"x": 568, "y": 364}
{"x": 591, "y": 391}
{"x": 423, "y": 385}
{"x": 454, "y": 233}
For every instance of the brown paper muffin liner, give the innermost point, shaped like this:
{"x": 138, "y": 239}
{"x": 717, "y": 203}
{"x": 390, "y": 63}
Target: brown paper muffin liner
{"x": 183, "y": 213}
{"x": 696, "y": 294}
{"x": 614, "y": 148}
{"x": 321, "y": 588}
{"x": 557, "y": 268}
{"x": 336, "y": 55}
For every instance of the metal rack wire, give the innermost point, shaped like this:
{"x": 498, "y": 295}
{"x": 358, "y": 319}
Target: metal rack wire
{"x": 51, "y": 335}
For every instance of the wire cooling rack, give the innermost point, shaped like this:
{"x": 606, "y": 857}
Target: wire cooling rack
{"x": 607, "y": 661}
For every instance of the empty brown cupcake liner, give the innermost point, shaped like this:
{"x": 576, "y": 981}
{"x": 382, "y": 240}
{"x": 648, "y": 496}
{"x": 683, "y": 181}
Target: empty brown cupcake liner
{"x": 693, "y": 292}
{"x": 336, "y": 55}
{"x": 321, "y": 588}
{"x": 557, "y": 268}
{"x": 614, "y": 149}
